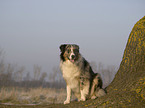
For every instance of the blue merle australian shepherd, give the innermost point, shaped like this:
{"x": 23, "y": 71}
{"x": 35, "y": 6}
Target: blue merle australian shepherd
{"x": 78, "y": 74}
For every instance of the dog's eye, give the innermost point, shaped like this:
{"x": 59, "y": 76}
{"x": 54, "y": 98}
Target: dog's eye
{"x": 68, "y": 51}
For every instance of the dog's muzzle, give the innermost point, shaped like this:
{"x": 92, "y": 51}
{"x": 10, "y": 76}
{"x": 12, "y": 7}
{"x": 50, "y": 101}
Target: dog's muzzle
{"x": 72, "y": 58}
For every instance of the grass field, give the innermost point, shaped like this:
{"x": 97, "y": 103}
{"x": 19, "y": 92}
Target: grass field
{"x": 31, "y": 96}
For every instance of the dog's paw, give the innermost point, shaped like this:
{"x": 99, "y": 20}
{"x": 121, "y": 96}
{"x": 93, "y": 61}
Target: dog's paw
{"x": 67, "y": 102}
{"x": 83, "y": 99}
{"x": 79, "y": 100}
{"x": 93, "y": 97}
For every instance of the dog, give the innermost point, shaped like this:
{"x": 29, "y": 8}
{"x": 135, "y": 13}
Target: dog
{"x": 78, "y": 74}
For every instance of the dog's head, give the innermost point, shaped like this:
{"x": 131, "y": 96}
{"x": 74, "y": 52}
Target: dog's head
{"x": 69, "y": 52}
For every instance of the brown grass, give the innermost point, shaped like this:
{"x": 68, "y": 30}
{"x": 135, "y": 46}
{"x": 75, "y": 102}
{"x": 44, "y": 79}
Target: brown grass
{"x": 32, "y": 95}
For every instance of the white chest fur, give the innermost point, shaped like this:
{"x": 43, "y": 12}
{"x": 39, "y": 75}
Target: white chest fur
{"x": 71, "y": 73}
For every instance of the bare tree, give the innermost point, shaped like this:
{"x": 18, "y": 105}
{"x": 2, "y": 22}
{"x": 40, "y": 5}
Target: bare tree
{"x": 19, "y": 74}
{"x": 2, "y": 65}
{"x": 27, "y": 77}
{"x": 36, "y": 71}
{"x": 43, "y": 76}
{"x": 55, "y": 78}
{"x": 52, "y": 76}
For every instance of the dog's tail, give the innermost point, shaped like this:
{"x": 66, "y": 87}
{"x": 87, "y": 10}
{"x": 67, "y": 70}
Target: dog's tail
{"x": 101, "y": 92}
{"x": 98, "y": 93}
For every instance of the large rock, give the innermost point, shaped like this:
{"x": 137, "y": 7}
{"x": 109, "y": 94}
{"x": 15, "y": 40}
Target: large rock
{"x": 128, "y": 86}
{"x": 132, "y": 68}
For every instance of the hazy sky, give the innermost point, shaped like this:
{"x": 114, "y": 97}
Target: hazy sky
{"x": 31, "y": 31}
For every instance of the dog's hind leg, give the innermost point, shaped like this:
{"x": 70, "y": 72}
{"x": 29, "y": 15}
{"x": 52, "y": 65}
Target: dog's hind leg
{"x": 85, "y": 90}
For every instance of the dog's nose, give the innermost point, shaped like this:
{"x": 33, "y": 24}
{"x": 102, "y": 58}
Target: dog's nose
{"x": 73, "y": 56}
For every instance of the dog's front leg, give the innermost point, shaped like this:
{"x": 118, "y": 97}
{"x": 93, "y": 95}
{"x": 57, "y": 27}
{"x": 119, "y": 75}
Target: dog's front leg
{"x": 67, "y": 101}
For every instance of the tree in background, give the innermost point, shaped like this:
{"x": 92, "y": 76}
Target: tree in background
{"x": 36, "y": 72}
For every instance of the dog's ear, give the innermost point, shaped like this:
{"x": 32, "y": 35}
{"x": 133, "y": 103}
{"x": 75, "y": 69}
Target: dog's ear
{"x": 62, "y": 47}
{"x": 77, "y": 47}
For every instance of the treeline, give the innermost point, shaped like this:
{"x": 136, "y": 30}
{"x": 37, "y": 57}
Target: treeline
{"x": 11, "y": 77}
{"x": 14, "y": 76}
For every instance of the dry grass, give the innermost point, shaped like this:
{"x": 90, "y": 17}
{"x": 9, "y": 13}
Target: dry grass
{"x": 32, "y": 95}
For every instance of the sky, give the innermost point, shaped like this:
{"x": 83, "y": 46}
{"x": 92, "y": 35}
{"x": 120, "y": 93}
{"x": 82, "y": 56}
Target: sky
{"x": 31, "y": 31}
